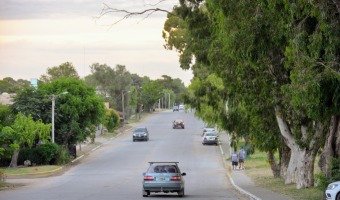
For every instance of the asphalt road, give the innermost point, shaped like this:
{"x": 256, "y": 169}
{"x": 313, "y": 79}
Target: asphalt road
{"x": 114, "y": 171}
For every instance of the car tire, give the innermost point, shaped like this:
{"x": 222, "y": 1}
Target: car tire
{"x": 146, "y": 193}
{"x": 181, "y": 193}
{"x": 337, "y": 196}
{"x": 133, "y": 140}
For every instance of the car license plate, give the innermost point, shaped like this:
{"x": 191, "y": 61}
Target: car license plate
{"x": 162, "y": 179}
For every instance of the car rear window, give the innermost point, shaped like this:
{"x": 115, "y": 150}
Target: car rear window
{"x": 163, "y": 169}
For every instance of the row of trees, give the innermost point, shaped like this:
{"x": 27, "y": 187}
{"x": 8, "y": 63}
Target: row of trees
{"x": 266, "y": 71}
{"x": 79, "y": 106}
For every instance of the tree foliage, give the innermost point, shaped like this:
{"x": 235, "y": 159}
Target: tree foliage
{"x": 64, "y": 70}
{"x": 278, "y": 62}
{"x": 24, "y": 131}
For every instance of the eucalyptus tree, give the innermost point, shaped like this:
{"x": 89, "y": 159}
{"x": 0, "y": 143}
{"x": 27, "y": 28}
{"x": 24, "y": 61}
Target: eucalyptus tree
{"x": 151, "y": 92}
{"x": 64, "y": 70}
{"x": 278, "y": 63}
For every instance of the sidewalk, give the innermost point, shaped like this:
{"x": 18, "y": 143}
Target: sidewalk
{"x": 242, "y": 182}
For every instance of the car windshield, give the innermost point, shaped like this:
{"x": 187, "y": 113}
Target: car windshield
{"x": 178, "y": 120}
{"x": 163, "y": 169}
{"x": 139, "y": 130}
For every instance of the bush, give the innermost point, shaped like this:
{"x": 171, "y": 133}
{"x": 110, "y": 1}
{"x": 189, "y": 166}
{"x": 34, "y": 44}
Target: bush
{"x": 63, "y": 156}
{"x": 41, "y": 155}
{"x": 46, "y": 153}
{"x": 335, "y": 168}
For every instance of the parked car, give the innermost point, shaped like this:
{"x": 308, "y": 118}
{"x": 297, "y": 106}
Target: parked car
{"x": 175, "y": 108}
{"x": 333, "y": 191}
{"x": 208, "y": 129}
{"x": 140, "y": 133}
{"x": 178, "y": 123}
{"x": 163, "y": 177}
{"x": 210, "y": 138}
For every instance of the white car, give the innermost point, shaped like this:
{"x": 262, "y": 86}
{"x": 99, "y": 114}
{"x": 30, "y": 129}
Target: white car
{"x": 333, "y": 191}
{"x": 210, "y": 138}
{"x": 208, "y": 129}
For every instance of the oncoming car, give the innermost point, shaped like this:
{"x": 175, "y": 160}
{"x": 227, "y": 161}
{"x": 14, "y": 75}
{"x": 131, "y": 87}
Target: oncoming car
{"x": 140, "y": 133}
{"x": 163, "y": 177}
{"x": 333, "y": 191}
{"x": 178, "y": 123}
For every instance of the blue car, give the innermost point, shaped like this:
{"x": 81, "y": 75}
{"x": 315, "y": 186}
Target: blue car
{"x": 164, "y": 177}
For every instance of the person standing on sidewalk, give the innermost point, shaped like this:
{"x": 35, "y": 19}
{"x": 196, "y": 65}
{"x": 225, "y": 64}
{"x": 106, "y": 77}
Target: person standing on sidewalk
{"x": 234, "y": 160}
{"x": 241, "y": 157}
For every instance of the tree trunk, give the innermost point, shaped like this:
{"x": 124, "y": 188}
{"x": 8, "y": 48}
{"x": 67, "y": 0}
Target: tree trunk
{"x": 14, "y": 161}
{"x": 273, "y": 165}
{"x": 301, "y": 164}
{"x": 284, "y": 153}
{"x": 301, "y": 168}
{"x": 331, "y": 147}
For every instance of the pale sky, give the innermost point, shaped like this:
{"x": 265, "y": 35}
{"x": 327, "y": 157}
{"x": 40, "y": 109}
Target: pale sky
{"x": 37, "y": 34}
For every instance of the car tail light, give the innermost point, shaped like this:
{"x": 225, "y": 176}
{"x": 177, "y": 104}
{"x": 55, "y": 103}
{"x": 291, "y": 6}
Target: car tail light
{"x": 175, "y": 178}
{"x": 148, "y": 178}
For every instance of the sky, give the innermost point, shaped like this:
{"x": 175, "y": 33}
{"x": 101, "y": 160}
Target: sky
{"x": 39, "y": 34}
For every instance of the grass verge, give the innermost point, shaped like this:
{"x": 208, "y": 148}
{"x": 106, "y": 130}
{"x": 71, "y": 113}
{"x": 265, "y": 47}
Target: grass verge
{"x": 259, "y": 171}
{"x": 30, "y": 170}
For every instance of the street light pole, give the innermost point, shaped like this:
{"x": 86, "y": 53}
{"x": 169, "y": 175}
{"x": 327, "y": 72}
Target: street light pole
{"x": 123, "y": 109}
{"x": 54, "y": 97}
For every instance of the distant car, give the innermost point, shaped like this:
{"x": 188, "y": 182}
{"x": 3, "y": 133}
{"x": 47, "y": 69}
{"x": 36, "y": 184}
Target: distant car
{"x": 140, "y": 133}
{"x": 175, "y": 108}
{"x": 210, "y": 138}
{"x": 163, "y": 177}
{"x": 178, "y": 123}
{"x": 333, "y": 191}
{"x": 181, "y": 107}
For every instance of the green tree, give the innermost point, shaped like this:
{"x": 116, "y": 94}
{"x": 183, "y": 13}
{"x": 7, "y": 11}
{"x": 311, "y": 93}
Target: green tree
{"x": 24, "y": 131}
{"x": 64, "y": 70}
{"x": 77, "y": 112}
{"x": 9, "y": 85}
{"x": 277, "y": 62}
{"x": 150, "y": 94}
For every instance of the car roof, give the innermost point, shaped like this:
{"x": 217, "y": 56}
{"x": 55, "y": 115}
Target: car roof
{"x": 151, "y": 163}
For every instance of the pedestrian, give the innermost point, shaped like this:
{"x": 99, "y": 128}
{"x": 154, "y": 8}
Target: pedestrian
{"x": 234, "y": 160}
{"x": 241, "y": 157}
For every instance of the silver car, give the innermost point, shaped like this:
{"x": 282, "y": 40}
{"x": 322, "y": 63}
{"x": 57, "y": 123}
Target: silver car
{"x": 140, "y": 133}
{"x": 163, "y": 177}
{"x": 210, "y": 138}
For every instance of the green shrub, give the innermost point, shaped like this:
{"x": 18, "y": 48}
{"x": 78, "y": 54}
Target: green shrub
{"x": 335, "y": 168}
{"x": 46, "y": 153}
{"x": 63, "y": 156}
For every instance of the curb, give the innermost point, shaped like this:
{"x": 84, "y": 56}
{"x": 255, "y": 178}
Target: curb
{"x": 251, "y": 196}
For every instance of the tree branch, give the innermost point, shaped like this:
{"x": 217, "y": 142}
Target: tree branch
{"x": 127, "y": 14}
